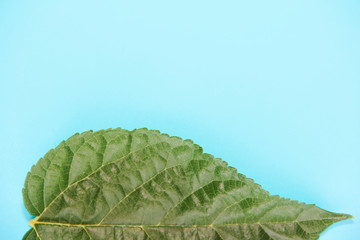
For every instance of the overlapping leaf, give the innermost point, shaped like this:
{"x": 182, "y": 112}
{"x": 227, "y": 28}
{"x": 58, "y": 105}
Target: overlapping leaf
{"x": 140, "y": 184}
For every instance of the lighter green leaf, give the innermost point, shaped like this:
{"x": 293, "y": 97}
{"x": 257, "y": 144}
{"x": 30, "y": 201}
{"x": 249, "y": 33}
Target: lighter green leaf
{"x": 140, "y": 184}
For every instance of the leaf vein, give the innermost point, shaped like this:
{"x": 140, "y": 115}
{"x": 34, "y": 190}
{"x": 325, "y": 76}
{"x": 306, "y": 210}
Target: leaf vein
{"x": 93, "y": 174}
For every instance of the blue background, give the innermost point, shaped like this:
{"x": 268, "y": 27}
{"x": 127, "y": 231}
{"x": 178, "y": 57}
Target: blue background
{"x": 272, "y": 87}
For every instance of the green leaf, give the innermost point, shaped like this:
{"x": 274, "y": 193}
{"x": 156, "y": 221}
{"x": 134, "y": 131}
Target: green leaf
{"x": 140, "y": 184}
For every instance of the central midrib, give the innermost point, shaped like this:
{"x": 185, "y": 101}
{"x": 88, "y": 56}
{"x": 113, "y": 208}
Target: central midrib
{"x": 172, "y": 225}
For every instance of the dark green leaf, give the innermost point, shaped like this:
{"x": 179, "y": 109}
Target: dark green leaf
{"x": 140, "y": 184}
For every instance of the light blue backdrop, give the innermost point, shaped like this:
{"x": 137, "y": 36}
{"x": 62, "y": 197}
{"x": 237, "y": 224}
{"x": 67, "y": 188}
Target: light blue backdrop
{"x": 272, "y": 87}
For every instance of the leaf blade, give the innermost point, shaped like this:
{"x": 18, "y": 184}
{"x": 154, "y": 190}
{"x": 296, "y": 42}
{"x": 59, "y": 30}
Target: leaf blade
{"x": 117, "y": 183}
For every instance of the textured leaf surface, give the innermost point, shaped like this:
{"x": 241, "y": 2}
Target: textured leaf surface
{"x": 140, "y": 184}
